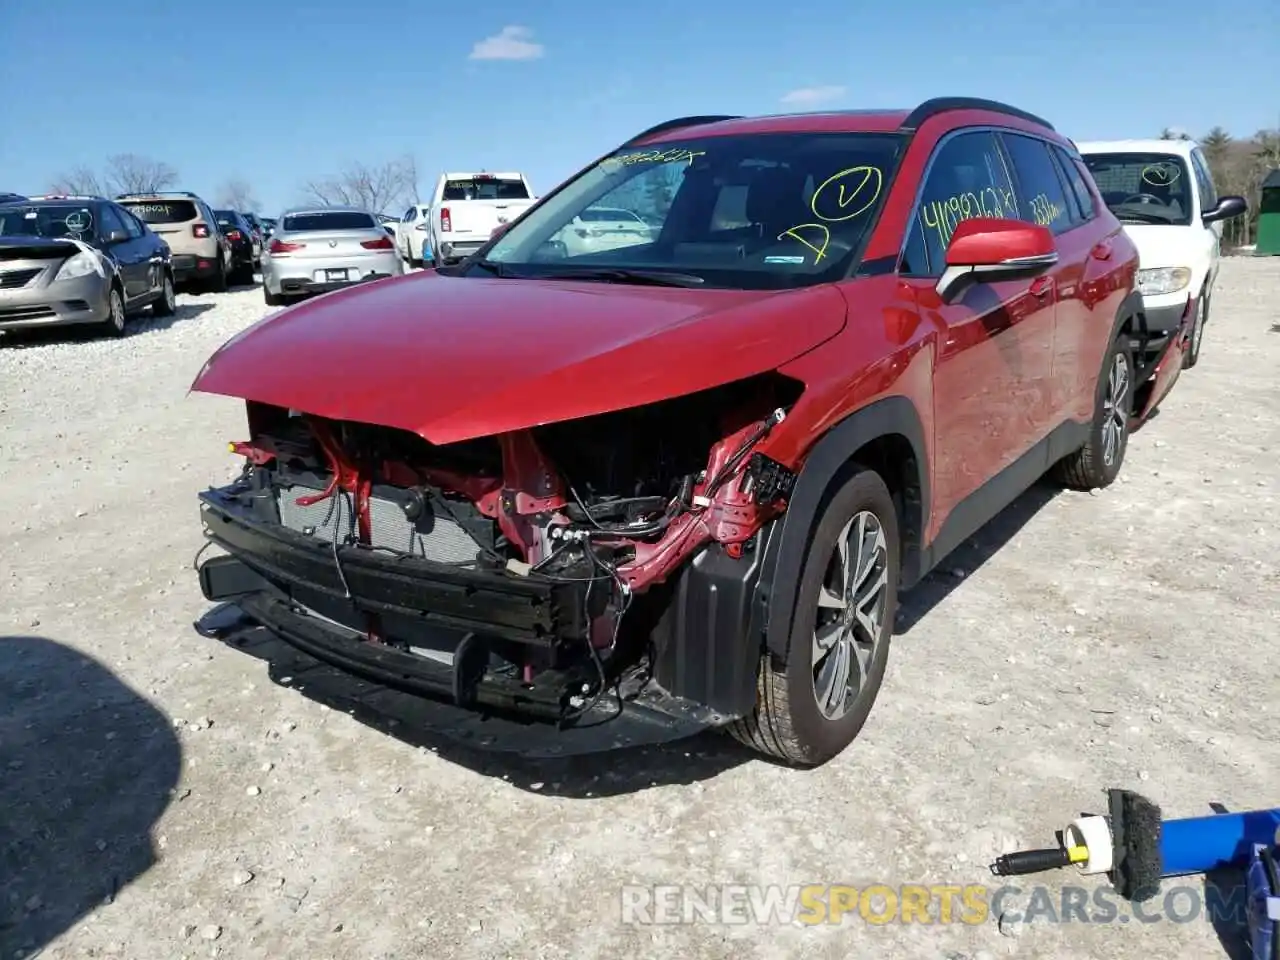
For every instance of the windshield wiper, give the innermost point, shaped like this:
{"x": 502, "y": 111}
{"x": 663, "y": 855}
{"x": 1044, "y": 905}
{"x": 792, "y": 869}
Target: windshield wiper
{"x": 658, "y": 278}
{"x": 497, "y": 269}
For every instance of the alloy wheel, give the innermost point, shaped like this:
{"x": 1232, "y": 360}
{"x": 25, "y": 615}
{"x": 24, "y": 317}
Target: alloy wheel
{"x": 851, "y": 607}
{"x": 170, "y": 300}
{"x": 116, "y": 306}
{"x": 1115, "y": 409}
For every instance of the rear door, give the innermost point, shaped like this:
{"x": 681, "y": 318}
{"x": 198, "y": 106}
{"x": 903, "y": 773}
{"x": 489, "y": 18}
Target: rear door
{"x": 1045, "y": 198}
{"x": 994, "y": 348}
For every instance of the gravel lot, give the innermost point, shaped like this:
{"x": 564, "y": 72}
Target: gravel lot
{"x": 161, "y": 797}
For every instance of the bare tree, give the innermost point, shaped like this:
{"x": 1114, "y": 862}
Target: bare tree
{"x": 80, "y": 181}
{"x": 236, "y": 194}
{"x": 372, "y": 188}
{"x": 131, "y": 173}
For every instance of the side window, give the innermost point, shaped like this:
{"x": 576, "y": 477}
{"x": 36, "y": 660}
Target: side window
{"x": 410, "y": 215}
{"x": 1073, "y": 170}
{"x": 1041, "y": 192}
{"x": 130, "y": 222}
{"x": 967, "y": 178}
{"x": 1204, "y": 179}
{"x": 110, "y": 221}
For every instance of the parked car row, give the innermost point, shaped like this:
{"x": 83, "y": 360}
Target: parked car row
{"x": 736, "y": 386}
{"x": 89, "y": 260}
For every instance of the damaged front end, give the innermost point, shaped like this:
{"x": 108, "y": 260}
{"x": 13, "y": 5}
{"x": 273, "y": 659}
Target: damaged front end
{"x": 570, "y": 570}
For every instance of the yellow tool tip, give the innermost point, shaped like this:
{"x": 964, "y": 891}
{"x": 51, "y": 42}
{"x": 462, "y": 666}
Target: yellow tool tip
{"x": 231, "y": 448}
{"x": 1077, "y": 854}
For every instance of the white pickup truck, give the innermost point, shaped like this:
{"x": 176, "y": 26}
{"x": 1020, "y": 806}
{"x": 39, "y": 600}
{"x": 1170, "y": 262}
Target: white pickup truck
{"x": 467, "y": 207}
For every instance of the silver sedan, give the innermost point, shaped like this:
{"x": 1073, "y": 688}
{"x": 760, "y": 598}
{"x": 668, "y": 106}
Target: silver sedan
{"x": 319, "y": 249}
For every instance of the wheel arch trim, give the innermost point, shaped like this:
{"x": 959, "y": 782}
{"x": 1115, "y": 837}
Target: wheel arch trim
{"x": 787, "y": 548}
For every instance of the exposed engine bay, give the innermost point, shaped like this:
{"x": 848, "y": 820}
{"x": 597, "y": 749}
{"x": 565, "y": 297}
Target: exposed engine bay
{"x": 601, "y": 511}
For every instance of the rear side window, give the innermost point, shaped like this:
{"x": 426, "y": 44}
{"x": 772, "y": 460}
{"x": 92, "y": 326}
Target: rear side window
{"x": 1075, "y": 172}
{"x": 1042, "y": 198}
{"x": 606, "y": 215}
{"x": 337, "y": 220}
{"x": 163, "y": 211}
{"x": 485, "y": 188}
{"x": 966, "y": 179}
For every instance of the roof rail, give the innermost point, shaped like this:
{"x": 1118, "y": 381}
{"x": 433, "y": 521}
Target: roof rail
{"x": 937, "y": 105}
{"x": 680, "y": 122}
{"x": 158, "y": 193}
{"x": 66, "y": 196}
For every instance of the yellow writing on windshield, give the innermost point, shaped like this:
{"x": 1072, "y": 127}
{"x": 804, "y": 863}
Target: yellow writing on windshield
{"x": 842, "y": 196}
{"x": 674, "y": 155}
{"x": 1160, "y": 174}
{"x": 942, "y": 216}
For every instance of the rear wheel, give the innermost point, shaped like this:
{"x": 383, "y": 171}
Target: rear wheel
{"x": 1192, "y": 356}
{"x": 218, "y": 282}
{"x": 167, "y": 302}
{"x": 1098, "y": 462}
{"x": 813, "y": 706}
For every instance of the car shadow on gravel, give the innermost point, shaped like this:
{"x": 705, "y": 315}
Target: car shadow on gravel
{"x": 87, "y": 767}
{"x": 514, "y": 752}
{"x": 969, "y": 557}
{"x": 139, "y": 324}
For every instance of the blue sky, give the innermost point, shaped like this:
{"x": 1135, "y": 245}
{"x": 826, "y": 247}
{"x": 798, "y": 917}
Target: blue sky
{"x": 282, "y": 92}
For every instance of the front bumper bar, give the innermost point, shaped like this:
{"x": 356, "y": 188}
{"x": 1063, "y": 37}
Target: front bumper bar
{"x": 268, "y": 568}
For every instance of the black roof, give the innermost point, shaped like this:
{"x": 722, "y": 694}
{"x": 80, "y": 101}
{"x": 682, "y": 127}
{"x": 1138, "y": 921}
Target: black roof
{"x": 1272, "y": 180}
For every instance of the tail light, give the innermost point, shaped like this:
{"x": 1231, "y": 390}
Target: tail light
{"x": 382, "y": 243}
{"x": 446, "y": 222}
{"x": 234, "y": 235}
{"x": 201, "y": 231}
{"x": 279, "y": 246}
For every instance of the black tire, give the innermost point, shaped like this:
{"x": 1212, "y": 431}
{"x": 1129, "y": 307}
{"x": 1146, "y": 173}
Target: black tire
{"x": 272, "y": 299}
{"x": 166, "y": 304}
{"x": 787, "y": 722}
{"x": 117, "y": 321}
{"x": 243, "y": 275}
{"x": 1192, "y": 356}
{"x": 218, "y": 282}
{"x": 1089, "y": 468}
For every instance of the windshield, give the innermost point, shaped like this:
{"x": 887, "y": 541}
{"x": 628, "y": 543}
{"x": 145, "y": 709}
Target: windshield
{"x": 766, "y": 211}
{"x": 1143, "y": 187}
{"x": 336, "y": 220}
{"x": 60, "y": 220}
{"x": 484, "y": 187}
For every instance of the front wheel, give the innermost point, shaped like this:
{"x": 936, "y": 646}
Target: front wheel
{"x": 1098, "y": 462}
{"x": 117, "y": 320}
{"x": 1192, "y": 356}
{"x": 811, "y": 707}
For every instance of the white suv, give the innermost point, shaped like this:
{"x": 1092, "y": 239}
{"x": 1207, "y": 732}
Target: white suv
{"x": 1163, "y": 192}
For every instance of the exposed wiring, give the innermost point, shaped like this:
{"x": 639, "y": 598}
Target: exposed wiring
{"x": 626, "y": 594}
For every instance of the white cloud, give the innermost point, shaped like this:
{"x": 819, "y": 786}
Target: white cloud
{"x": 812, "y": 96}
{"x": 512, "y": 43}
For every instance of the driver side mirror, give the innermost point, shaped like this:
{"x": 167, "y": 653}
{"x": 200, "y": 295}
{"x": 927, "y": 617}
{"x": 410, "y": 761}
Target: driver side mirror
{"x": 988, "y": 250}
{"x": 1228, "y": 208}
{"x": 117, "y": 236}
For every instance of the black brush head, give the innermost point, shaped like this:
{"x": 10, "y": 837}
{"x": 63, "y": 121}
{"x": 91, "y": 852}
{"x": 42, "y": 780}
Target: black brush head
{"x": 1135, "y": 831}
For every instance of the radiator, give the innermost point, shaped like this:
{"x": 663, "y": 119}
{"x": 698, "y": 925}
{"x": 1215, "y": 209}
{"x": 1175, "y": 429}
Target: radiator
{"x": 432, "y": 537}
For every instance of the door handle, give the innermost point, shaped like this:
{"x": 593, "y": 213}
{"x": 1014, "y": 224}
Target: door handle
{"x": 1041, "y": 286}
{"x": 1101, "y": 251}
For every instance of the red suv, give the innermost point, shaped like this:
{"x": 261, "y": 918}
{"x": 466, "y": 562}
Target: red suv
{"x": 675, "y": 474}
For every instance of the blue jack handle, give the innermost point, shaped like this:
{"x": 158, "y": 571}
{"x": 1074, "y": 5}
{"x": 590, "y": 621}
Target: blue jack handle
{"x": 1201, "y": 844}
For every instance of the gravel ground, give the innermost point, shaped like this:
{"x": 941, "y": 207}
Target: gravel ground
{"x": 161, "y": 797}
